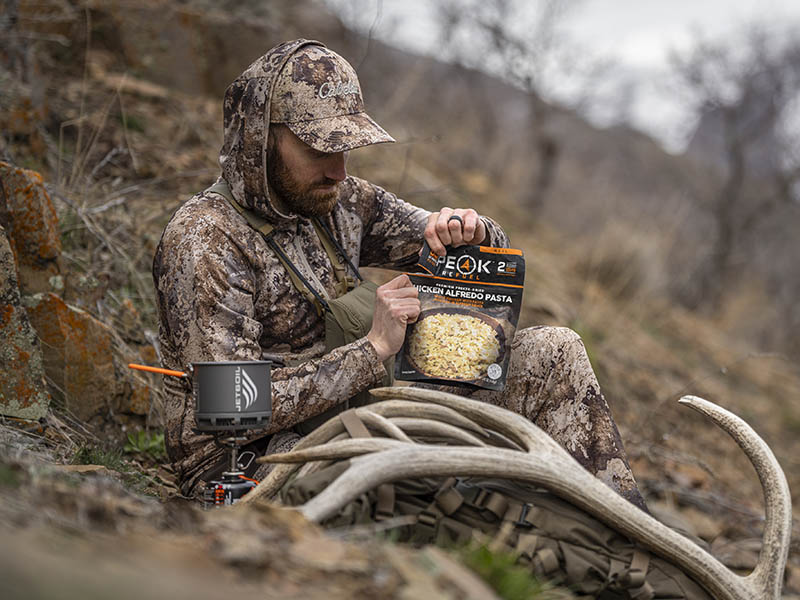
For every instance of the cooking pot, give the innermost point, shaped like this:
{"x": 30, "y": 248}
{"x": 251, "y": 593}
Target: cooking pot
{"x": 229, "y": 395}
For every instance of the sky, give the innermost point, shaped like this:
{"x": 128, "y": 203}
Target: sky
{"x": 637, "y": 35}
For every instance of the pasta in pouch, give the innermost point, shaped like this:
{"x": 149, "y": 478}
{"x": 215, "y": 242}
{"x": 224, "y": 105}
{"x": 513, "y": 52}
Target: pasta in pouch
{"x": 470, "y": 302}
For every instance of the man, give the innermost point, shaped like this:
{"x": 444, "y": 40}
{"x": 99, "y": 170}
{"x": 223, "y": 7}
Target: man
{"x": 228, "y": 292}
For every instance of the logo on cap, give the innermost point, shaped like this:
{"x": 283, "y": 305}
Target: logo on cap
{"x": 341, "y": 88}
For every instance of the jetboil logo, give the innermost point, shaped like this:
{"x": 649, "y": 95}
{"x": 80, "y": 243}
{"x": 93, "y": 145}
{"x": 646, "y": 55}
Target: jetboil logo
{"x": 243, "y": 388}
{"x": 340, "y": 88}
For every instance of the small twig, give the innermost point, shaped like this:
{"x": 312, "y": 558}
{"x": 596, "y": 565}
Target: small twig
{"x": 680, "y": 457}
{"x": 406, "y": 161}
{"x": 106, "y": 159}
{"x": 703, "y": 499}
{"x": 131, "y": 153}
{"x": 52, "y": 190}
{"x": 370, "y": 33}
{"x": 83, "y": 91}
{"x": 104, "y": 207}
{"x": 46, "y": 37}
{"x": 157, "y": 180}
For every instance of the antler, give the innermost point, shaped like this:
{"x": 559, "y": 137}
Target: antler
{"x": 272, "y": 484}
{"x": 547, "y": 464}
{"x": 767, "y": 576}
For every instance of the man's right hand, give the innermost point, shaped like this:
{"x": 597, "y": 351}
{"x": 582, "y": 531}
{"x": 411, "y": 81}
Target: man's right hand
{"x": 396, "y": 305}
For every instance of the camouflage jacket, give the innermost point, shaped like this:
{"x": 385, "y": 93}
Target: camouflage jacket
{"x": 222, "y": 294}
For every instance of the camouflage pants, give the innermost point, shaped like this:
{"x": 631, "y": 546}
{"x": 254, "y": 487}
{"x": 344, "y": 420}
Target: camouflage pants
{"x": 552, "y": 383}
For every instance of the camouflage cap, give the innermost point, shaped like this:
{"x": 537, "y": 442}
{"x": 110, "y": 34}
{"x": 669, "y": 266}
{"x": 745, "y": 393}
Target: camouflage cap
{"x": 318, "y": 97}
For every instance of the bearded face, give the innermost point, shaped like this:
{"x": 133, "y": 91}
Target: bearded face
{"x": 304, "y": 181}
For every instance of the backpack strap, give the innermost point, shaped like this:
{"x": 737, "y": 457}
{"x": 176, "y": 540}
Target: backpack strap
{"x": 354, "y": 426}
{"x": 639, "y": 588}
{"x": 446, "y": 501}
{"x": 385, "y": 506}
{"x": 338, "y": 257}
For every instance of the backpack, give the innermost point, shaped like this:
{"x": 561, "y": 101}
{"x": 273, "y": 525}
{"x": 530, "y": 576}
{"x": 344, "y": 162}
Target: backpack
{"x": 558, "y": 542}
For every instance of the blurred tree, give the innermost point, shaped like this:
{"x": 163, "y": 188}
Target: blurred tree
{"x": 12, "y": 50}
{"x": 745, "y": 93}
{"x": 522, "y": 43}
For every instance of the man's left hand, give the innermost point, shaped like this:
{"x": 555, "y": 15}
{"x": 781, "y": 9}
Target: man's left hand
{"x": 454, "y": 227}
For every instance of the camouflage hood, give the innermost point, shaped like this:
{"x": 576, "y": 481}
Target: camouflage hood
{"x": 246, "y": 111}
{"x": 314, "y": 92}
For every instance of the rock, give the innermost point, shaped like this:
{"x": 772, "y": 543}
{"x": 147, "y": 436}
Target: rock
{"x": 432, "y": 574}
{"x": 79, "y": 360}
{"x": 327, "y": 554}
{"x": 23, "y": 393}
{"x": 30, "y": 220}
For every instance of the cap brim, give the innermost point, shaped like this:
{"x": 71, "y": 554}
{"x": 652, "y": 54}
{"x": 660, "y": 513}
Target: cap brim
{"x": 339, "y": 134}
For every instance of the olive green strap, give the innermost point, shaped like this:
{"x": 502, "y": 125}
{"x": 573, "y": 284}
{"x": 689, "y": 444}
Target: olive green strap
{"x": 256, "y": 222}
{"x": 355, "y": 428}
{"x": 343, "y": 282}
{"x": 384, "y": 508}
{"x": 640, "y": 589}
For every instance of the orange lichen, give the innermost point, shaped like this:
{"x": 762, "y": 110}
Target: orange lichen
{"x": 6, "y": 312}
{"x": 33, "y": 227}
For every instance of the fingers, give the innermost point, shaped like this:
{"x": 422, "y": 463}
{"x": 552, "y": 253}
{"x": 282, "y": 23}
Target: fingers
{"x": 402, "y": 303}
{"x": 397, "y": 304}
{"x": 405, "y": 310}
{"x": 437, "y": 233}
{"x": 398, "y": 288}
{"x": 454, "y": 227}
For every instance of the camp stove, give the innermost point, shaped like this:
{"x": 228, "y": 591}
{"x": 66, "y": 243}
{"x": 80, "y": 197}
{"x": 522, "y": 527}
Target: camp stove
{"x": 230, "y": 398}
{"x": 233, "y": 484}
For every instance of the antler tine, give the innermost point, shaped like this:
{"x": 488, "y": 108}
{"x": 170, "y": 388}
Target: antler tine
{"x": 417, "y": 409}
{"x": 445, "y": 431}
{"x": 342, "y": 449}
{"x": 558, "y": 473}
{"x": 382, "y": 424}
{"x": 510, "y": 424}
{"x": 281, "y": 473}
{"x": 768, "y": 572}
{"x": 499, "y": 440}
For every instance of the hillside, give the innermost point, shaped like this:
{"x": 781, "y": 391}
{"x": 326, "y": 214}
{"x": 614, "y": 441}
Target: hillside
{"x": 125, "y": 124}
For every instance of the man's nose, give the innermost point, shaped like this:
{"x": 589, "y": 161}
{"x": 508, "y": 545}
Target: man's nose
{"x": 335, "y": 166}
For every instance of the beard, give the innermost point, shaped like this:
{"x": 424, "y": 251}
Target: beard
{"x": 307, "y": 199}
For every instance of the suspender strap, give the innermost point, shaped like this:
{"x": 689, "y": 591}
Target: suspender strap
{"x": 267, "y": 230}
{"x": 343, "y": 283}
{"x": 304, "y": 287}
{"x": 327, "y": 237}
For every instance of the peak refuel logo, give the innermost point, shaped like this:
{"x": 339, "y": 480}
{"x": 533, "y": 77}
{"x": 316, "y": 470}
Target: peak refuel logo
{"x": 243, "y": 389}
{"x": 466, "y": 265}
{"x": 470, "y": 266}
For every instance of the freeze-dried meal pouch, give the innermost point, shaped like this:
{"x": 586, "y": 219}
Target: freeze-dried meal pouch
{"x": 470, "y": 300}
